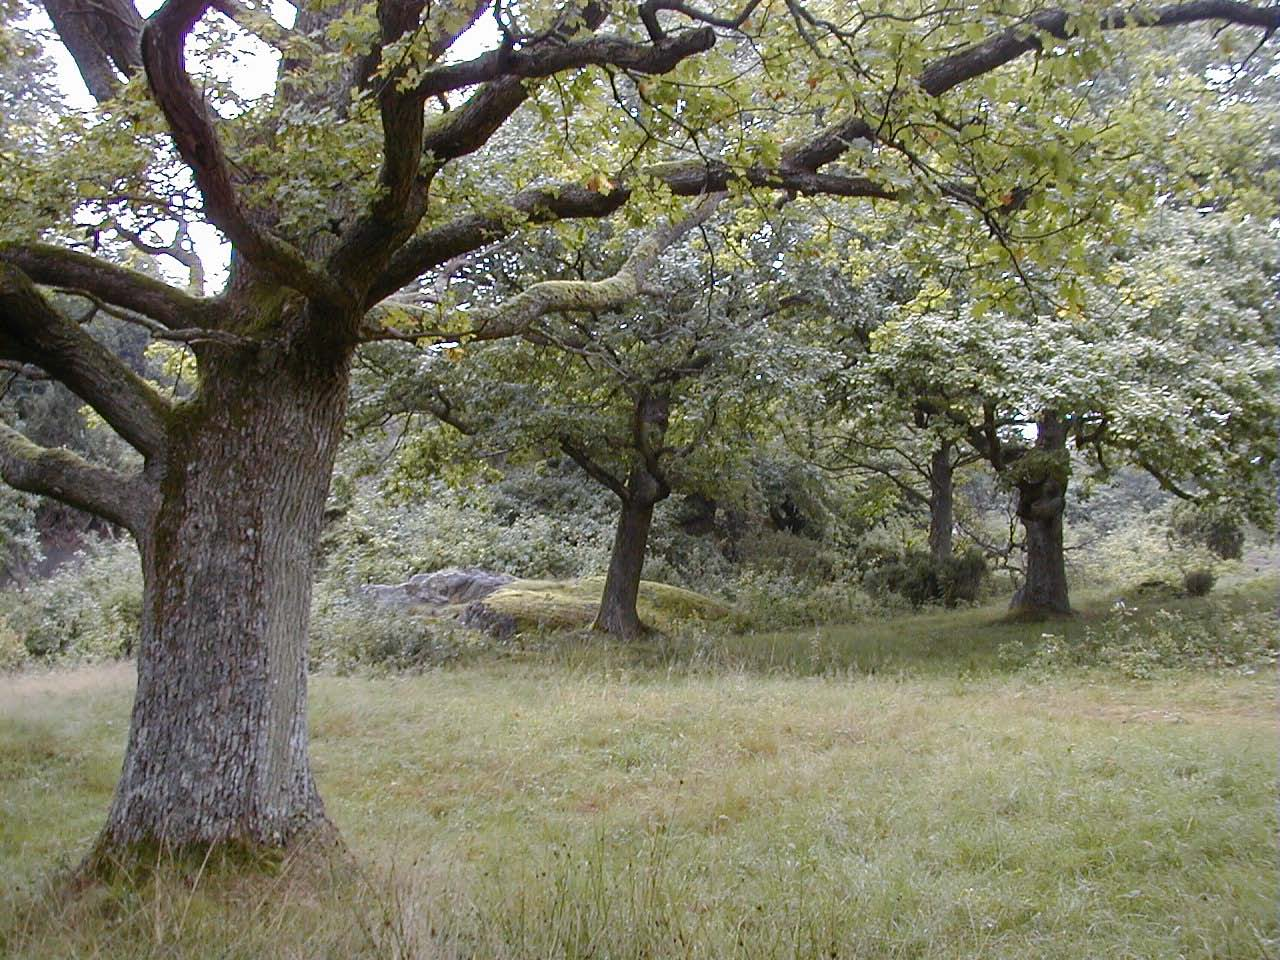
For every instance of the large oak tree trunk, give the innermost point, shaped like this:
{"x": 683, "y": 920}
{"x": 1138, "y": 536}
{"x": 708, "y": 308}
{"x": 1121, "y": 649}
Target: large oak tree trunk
{"x": 1042, "y": 497}
{"x": 217, "y": 747}
{"x": 618, "y": 614}
{"x": 941, "y": 503}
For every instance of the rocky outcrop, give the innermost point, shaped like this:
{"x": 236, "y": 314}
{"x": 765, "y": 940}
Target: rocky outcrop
{"x": 480, "y": 616}
{"x": 444, "y": 588}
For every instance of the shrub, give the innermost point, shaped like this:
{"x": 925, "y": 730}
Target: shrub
{"x": 1211, "y": 526}
{"x": 90, "y": 610}
{"x": 348, "y": 635}
{"x": 1138, "y": 646}
{"x": 763, "y": 600}
{"x": 1198, "y": 582}
{"x": 918, "y": 578}
{"x": 13, "y": 653}
{"x": 960, "y": 577}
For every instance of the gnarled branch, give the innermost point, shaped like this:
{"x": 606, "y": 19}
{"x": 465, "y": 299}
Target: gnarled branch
{"x": 66, "y": 476}
{"x": 197, "y": 142}
{"x": 119, "y": 286}
{"x": 32, "y": 331}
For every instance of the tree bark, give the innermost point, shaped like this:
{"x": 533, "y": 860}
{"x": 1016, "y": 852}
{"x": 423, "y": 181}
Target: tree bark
{"x": 217, "y": 750}
{"x": 1042, "y": 493}
{"x": 645, "y": 488}
{"x": 618, "y": 615}
{"x": 941, "y": 503}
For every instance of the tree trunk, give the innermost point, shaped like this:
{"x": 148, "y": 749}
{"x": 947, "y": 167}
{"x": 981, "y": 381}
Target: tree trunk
{"x": 618, "y": 614}
{"x": 1042, "y": 493}
{"x": 941, "y": 503}
{"x": 217, "y": 748}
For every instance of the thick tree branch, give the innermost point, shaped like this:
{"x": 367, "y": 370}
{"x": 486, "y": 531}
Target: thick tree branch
{"x": 570, "y": 201}
{"x": 412, "y": 154}
{"x": 545, "y": 60}
{"x": 31, "y": 331}
{"x": 56, "y": 266}
{"x": 197, "y": 142}
{"x": 103, "y": 37}
{"x": 1008, "y": 45}
{"x": 515, "y": 315}
{"x": 61, "y": 474}
{"x": 592, "y": 469}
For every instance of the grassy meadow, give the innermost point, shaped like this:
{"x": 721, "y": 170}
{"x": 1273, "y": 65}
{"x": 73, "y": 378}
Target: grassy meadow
{"x": 889, "y": 789}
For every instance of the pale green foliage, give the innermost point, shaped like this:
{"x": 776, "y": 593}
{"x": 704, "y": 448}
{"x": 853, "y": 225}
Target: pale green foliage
{"x": 89, "y": 610}
{"x": 19, "y": 544}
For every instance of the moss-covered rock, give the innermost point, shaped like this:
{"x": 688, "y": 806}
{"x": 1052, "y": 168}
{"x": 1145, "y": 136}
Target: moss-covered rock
{"x": 573, "y": 603}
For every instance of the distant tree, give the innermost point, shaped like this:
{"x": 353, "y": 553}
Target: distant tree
{"x": 1170, "y": 366}
{"x": 671, "y": 393}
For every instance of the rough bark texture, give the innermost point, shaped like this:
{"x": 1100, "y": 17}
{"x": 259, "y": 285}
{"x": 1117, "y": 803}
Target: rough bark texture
{"x": 941, "y": 503}
{"x": 1042, "y": 493}
{"x": 218, "y": 738}
{"x": 645, "y": 488}
{"x": 618, "y": 614}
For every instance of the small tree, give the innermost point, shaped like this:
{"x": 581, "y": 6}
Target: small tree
{"x": 661, "y": 395}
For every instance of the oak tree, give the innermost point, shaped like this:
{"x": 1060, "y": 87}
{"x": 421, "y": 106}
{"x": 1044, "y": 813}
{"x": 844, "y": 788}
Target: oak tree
{"x": 365, "y": 168}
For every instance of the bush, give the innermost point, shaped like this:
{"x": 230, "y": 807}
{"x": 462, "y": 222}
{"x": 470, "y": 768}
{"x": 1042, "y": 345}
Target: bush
{"x": 1138, "y": 646}
{"x": 765, "y": 601}
{"x": 919, "y": 579}
{"x": 90, "y": 610}
{"x": 13, "y": 653}
{"x": 1211, "y": 526}
{"x": 1199, "y": 582}
{"x": 348, "y": 635}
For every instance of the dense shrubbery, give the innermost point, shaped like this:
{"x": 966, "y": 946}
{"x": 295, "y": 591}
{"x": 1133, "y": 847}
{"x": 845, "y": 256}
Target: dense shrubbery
{"x": 1212, "y": 528}
{"x": 1139, "y": 645}
{"x": 347, "y": 635}
{"x": 89, "y": 610}
{"x": 1198, "y": 582}
{"x": 919, "y": 579}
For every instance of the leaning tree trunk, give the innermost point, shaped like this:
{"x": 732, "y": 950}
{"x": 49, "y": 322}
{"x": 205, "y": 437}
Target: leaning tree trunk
{"x": 644, "y": 489}
{"x": 941, "y": 503}
{"x": 1043, "y": 474}
{"x": 618, "y": 614}
{"x": 217, "y": 747}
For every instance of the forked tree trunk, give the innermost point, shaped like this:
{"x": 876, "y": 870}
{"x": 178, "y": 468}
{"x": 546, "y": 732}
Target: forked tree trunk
{"x": 941, "y": 502}
{"x": 1042, "y": 497}
{"x": 618, "y": 614}
{"x": 217, "y": 747}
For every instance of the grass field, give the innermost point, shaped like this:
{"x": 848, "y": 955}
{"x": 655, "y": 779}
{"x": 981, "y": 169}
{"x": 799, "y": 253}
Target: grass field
{"x": 883, "y": 791}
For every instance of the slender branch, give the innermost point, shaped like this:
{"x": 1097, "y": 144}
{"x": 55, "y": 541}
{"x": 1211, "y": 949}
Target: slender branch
{"x": 28, "y": 371}
{"x": 157, "y": 330}
{"x": 1166, "y": 482}
{"x": 181, "y": 250}
{"x": 596, "y": 472}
